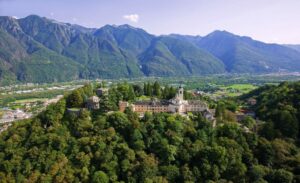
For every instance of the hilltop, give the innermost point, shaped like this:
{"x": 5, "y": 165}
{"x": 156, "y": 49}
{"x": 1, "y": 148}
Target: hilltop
{"x": 101, "y": 146}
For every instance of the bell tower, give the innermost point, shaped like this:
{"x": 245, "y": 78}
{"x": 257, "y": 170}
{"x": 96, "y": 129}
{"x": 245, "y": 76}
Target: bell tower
{"x": 180, "y": 93}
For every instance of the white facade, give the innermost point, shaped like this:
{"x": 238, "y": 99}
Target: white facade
{"x": 93, "y": 103}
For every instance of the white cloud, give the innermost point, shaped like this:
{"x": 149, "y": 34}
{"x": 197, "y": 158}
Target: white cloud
{"x": 132, "y": 17}
{"x": 51, "y": 14}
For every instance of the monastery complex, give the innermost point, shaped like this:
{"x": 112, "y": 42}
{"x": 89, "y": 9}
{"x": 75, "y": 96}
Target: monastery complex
{"x": 175, "y": 105}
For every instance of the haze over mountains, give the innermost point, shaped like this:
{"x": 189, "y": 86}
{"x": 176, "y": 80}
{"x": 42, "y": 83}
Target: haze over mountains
{"x": 36, "y": 49}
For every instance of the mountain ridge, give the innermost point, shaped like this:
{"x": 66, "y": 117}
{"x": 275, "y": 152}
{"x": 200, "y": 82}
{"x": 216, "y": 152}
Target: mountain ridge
{"x": 121, "y": 51}
{"x": 293, "y": 46}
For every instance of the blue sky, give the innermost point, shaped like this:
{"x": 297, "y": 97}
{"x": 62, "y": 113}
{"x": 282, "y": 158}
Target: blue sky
{"x": 267, "y": 20}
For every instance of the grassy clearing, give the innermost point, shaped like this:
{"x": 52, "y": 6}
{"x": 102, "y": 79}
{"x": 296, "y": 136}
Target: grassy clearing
{"x": 143, "y": 97}
{"x": 235, "y": 90}
{"x": 240, "y": 87}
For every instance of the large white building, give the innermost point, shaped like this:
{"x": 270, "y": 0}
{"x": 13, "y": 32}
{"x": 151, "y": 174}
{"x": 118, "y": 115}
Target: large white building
{"x": 175, "y": 105}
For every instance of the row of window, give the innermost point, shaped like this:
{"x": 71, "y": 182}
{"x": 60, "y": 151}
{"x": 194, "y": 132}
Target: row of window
{"x": 151, "y": 108}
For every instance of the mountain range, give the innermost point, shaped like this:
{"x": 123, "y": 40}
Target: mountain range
{"x": 37, "y": 49}
{"x": 294, "y": 46}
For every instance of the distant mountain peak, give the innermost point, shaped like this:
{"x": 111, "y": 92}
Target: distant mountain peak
{"x": 184, "y": 35}
{"x": 224, "y": 33}
{"x": 221, "y": 33}
{"x": 113, "y": 26}
{"x": 37, "y": 18}
{"x": 33, "y": 16}
{"x": 48, "y": 47}
{"x": 126, "y": 26}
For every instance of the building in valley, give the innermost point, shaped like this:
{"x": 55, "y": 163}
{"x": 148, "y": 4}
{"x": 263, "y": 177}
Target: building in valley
{"x": 175, "y": 105}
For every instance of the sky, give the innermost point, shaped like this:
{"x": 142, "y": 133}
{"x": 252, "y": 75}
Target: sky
{"x": 272, "y": 21}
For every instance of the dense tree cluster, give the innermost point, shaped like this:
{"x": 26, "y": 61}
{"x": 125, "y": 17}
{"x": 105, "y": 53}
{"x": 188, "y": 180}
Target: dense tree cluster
{"x": 92, "y": 146}
{"x": 155, "y": 90}
{"x": 279, "y": 106}
{"x": 78, "y": 97}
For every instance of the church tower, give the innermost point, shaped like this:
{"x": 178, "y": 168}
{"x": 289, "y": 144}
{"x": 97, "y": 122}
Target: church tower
{"x": 180, "y": 93}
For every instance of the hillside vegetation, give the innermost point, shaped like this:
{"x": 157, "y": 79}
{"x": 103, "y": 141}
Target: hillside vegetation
{"x": 96, "y": 146}
{"x": 35, "y": 49}
{"x": 279, "y": 106}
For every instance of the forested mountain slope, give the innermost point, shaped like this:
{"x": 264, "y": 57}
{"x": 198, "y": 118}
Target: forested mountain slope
{"x": 243, "y": 54}
{"x": 279, "y": 106}
{"x": 37, "y": 49}
{"x": 25, "y": 59}
{"x": 166, "y": 54}
{"x": 94, "y": 146}
{"x": 54, "y": 51}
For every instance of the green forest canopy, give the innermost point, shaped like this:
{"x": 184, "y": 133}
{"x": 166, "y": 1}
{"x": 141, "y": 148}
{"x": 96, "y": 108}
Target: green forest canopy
{"x": 95, "y": 146}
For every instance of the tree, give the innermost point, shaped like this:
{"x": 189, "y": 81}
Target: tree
{"x": 229, "y": 130}
{"x": 220, "y": 110}
{"x": 166, "y": 92}
{"x": 172, "y": 92}
{"x": 229, "y": 116}
{"x": 212, "y": 161}
{"x": 265, "y": 152}
{"x": 83, "y": 124}
{"x": 187, "y": 95}
{"x": 145, "y": 89}
{"x": 119, "y": 121}
{"x": 257, "y": 172}
{"x": 167, "y": 152}
{"x": 147, "y": 168}
{"x": 268, "y": 131}
{"x": 53, "y": 114}
{"x": 149, "y": 89}
{"x": 171, "y": 172}
{"x": 280, "y": 176}
{"x": 131, "y": 94}
{"x": 100, "y": 177}
{"x": 75, "y": 99}
{"x": 231, "y": 105}
{"x": 187, "y": 174}
{"x": 287, "y": 123}
{"x": 156, "y": 89}
{"x": 84, "y": 174}
{"x": 248, "y": 122}
{"x": 106, "y": 104}
{"x": 88, "y": 90}
{"x": 138, "y": 90}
